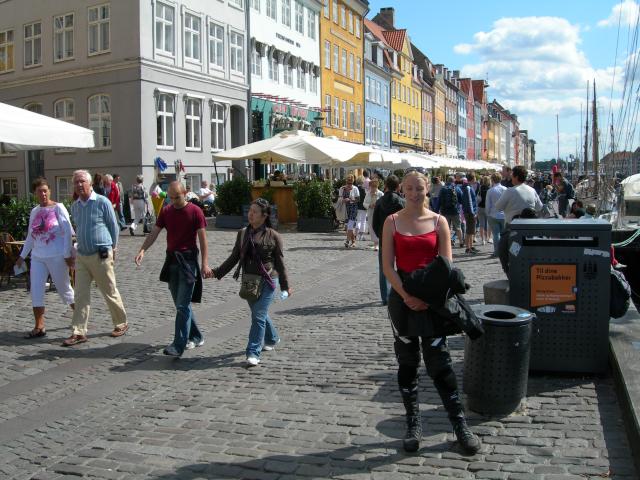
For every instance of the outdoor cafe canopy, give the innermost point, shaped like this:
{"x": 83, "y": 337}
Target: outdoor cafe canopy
{"x": 21, "y": 129}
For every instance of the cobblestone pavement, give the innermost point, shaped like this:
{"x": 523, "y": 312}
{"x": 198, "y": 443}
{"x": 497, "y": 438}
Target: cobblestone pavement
{"x": 324, "y": 404}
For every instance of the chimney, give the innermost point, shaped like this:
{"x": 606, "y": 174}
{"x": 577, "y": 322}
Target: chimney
{"x": 388, "y": 15}
{"x": 456, "y": 73}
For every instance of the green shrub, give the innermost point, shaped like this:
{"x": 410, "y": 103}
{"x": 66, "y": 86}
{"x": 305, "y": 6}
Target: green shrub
{"x": 313, "y": 199}
{"x": 267, "y": 194}
{"x": 14, "y": 217}
{"x": 232, "y": 195}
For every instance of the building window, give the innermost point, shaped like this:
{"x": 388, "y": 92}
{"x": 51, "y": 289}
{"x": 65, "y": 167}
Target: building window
{"x": 299, "y": 17}
{"x": 237, "y": 3}
{"x": 343, "y": 17}
{"x": 359, "y": 118}
{"x": 216, "y": 45}
{"x": 358, "y": 69}
{"x": 343, "y": 65}
{"x": 99, "y": 25}
{"x": 336, "y": 112}
{"x": 326, "y": 8}
{"x": 100, "y": 119}
{"x": 352, "y": 116}
{"x": 327, "y": 54}
{"x": 379, "y": 131}
{"x": 255, "y": 4}
{"x": 64, "y": 110}
{"x": 165, "y": 28}
{"x": 63, "y": 37}
{"x": 351, "y": 66}
{"x": 393, "y": 123}
{"x": 274, "y": 70}
{"x": 378, "y": 96}
{"x": 336, "y": 58}
{"x": 357, "y": 27}
{"x": 237, "y": 52}
{"x": 302, "y": 79}
{"x": 313, "y": 83}
{"x": 192, "y": 181}
{"x": 350, "y": 24}
{"x": 32, "y": 45}
{"x": 286, "y": 12}
{"x": 165, "y": 121}
{"x": 6, "y": 51}
{"x": 335, "y": 11}
{"x": 191, "y": 37}
{"x": 10, "y": 187}
{"x": 217, "y": 126}
{"x": 367, "y": 130}
{"x": 64, "y": 188}
{"x": 311, "y": 24}
{"x": 193, "y": 122}
{"x": 272, "y": 9}
{"x": 366, "y": 88}
{"x": 344, "y": 114}
{"x": 288, "y": 74}
{"x": 385, "y": 95}
{"x": 327, "y": 107}
{"x": 256, "y": 62}
{"x": 385, "y": 136}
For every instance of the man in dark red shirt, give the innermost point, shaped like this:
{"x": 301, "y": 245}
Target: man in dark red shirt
{"x": 184, "y": 222}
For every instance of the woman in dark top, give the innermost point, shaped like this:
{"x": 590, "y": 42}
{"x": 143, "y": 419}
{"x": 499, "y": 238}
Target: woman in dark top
{"x": 485, "y": 185}
{"x": 97, "y": 184}
{"x": 258, "y": 250}
{"x": 411, "y": 239}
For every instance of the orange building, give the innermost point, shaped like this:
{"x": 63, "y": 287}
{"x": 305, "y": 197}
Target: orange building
{"x": 342, "y": 54}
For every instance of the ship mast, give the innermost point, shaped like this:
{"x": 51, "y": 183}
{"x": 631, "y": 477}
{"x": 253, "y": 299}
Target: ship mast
{"x": 594, "y": 132}
{"x": 586, "y": 136}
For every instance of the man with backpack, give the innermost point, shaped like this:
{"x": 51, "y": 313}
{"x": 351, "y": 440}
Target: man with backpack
{"x": 450, "y": 199}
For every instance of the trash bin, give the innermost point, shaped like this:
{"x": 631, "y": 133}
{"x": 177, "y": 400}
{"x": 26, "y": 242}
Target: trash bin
{"x": 560, "y": 269}
{"x": 496, "y": 365}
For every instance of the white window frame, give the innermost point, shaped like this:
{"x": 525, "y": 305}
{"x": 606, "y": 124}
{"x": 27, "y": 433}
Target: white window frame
{"x": 62, "y": 32}
{"x": 358, "y": 70}
{"x": 97, "y": 24}
{"x": 367, "y": 130}
{"x": 313, "y": 83}
{"x": 30, "y": 41}
{"x": 336, "y": 58}
{"x": 327, "y": 54}
{"x": 256, "y": 63}
{"x": 357, "y": 27}
{"x": 161, "y": 24}
{"x": 167, "y": 121}
{"x": 299, "y": 13}
{"x": 359, "y": 117}
{"x": 255, "y": 4}
{"x": 301, "y": 80}
{"x": 311, "y": 24}
{"x": 379, "y": 131}
{"x": 274, "y": 70}
{"x": 287, "y": 74}
{"x": 216, "y": 45}
{"x": 239, "y": 4}
{"x": 7, "y": 51}
{"x": 271, "y": 9}
{"x": 67, "y": 107}
{"x": 285, "y": 13}
{"x": 335, "y": 11}
{"x": 218, "y": 122}
{"x": 326, "y": 8}
{"x": 103, "y": 120}
{"x": 343, "y": 17}
{"x": 350, "y": 22}
{"x": 68, "y": 190}
{"x": 236, "y": 50}
{"x": 367, "y": 81}
{"x": 343, "y": 62}
{"x": 351, "y": 66}
{"x": 352, "y": 116}
{"x": 193, "y": 141}
{"x": 344, "y": 114}
{"x": 327, "y": 107}
{"x": 194, "y": 35}
{"x": 336, "y": 116}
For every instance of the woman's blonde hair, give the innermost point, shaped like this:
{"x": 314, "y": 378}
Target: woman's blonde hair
{"x": 417, "y": 174}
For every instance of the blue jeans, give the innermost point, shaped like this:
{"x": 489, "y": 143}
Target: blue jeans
{"x": 384, "y": 284}
{"x": 181, "y": 292}
{"x": 262, "y": 328}
{"x": 497, "y": 227}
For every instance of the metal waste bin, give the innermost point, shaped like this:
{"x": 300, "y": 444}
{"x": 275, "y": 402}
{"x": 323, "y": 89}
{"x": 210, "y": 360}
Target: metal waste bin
{"x": 496, "y": 365}
{"x": 559, "y": 269}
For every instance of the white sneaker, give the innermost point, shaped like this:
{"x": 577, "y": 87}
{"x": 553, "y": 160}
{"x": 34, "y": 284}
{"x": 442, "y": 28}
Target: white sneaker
{"x": 191, "y": 344}
{"x": 268, "y": 348}
{"x": 252, "y": 361}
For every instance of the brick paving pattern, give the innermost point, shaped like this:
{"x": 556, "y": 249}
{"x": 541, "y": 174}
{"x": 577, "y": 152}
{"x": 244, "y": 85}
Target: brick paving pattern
{"x": 324, "y": 404}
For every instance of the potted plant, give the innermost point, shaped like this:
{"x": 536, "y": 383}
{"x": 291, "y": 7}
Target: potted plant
{"x": 315, "y": 210}
{"x": 230, "y": 198}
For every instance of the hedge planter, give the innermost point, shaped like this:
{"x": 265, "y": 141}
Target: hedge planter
{"x": 318, "y": 225}
{"x": 235, "y": 222}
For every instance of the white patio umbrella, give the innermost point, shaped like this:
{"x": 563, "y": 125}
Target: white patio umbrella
{"x": 21, "y": 129}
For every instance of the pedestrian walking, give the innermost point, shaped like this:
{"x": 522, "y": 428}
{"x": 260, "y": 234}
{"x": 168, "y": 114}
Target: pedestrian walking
{"x": 495, "y": 217}
{"x": 450, "y": 199}
{"x": 184, "y": 223}
{"x": 119, "y": 211}
{"x": 469, "y": 211}
{"x": 97, "y": 184}
{"x": 349, "y": 195}
{"x": 258, "y": 252}
{"x": 412, "y": 238}
{"x": 371, "y": 198}
{"x": 139, "y": 198}
{"x": 485, "y": 185}
{"x": 112, "y": 193}
{"x": 97, "y": 236}
{"x": 434, "y": 194}
{"x": 361, "y": 218}
{"x": 50, "y": 245}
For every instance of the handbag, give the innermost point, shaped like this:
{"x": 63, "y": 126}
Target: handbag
{"x": 251, "y": 286}
{"x": 341, "y": 210}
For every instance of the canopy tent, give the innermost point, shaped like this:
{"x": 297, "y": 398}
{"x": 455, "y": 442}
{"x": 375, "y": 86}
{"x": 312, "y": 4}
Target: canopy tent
{"x": 21, "y": 129}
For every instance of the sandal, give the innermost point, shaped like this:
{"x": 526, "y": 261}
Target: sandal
{"x": 119, "y": 331}
{"x": 36, "y": 333}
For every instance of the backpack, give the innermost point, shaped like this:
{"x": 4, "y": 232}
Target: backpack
{"x": 620, "y": 294}
{"x": 137, "y": 192}
{"x": 449, "y": 204}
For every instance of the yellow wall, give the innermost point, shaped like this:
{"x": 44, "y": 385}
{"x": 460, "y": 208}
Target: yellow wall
{"x": 406, "y": 103}
{"x": 492, "y": 147}
{"x": 440, "y": 118}
{"x": 343, "y": 85}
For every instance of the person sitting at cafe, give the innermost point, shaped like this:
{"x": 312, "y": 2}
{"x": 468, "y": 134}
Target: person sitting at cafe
{"x": 278, "y": 176}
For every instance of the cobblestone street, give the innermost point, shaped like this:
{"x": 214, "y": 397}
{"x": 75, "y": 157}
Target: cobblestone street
{"x": 323, "y": 404}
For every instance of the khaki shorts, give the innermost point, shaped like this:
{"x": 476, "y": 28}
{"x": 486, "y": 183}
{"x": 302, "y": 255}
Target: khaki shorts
{"x": 453, "y": 221}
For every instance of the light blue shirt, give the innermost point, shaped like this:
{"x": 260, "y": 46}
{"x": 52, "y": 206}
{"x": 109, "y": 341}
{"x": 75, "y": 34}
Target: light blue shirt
{"x": 96, "y": 224}
{"x": 493, "y": 195}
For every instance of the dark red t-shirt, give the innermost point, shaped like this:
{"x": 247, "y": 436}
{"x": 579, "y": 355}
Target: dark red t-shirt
{"x": 182, "y": 225}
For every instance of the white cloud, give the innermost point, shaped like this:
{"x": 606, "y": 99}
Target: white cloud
{"x": 626, "y": 12}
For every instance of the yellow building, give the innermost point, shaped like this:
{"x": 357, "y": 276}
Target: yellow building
{"x": 342, "y": 54}
{"x": 440, "y": 139}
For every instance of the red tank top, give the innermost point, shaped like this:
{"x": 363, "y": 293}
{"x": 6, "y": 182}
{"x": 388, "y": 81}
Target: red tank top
{"x": 415, "y": 251}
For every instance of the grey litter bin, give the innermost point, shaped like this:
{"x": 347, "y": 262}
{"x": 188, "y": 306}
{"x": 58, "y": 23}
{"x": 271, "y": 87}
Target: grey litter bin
{"x": 560, "y": 270}
{"x": 496, "y": 365}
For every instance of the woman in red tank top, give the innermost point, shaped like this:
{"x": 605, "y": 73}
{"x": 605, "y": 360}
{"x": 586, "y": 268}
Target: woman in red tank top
{"x": 411, "y": 239}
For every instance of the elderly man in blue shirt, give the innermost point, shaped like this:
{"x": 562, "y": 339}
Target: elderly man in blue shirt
{"x": 97, "y": 236}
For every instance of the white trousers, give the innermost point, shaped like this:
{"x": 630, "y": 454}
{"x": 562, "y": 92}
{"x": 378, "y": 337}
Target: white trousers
{"x": 138, "y": 212}
{"x": 41, "y": 268}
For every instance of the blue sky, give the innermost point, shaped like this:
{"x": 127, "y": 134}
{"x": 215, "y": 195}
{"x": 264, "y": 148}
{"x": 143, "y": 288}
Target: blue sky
{"x": 538, "y": 55}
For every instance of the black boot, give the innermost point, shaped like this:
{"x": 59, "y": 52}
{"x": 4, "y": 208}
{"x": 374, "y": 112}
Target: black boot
{"x": 411, "y": 442}
{"x": 469, "y": 442}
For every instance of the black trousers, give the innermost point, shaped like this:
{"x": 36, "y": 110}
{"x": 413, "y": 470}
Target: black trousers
{"x": 437, "y": 360}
